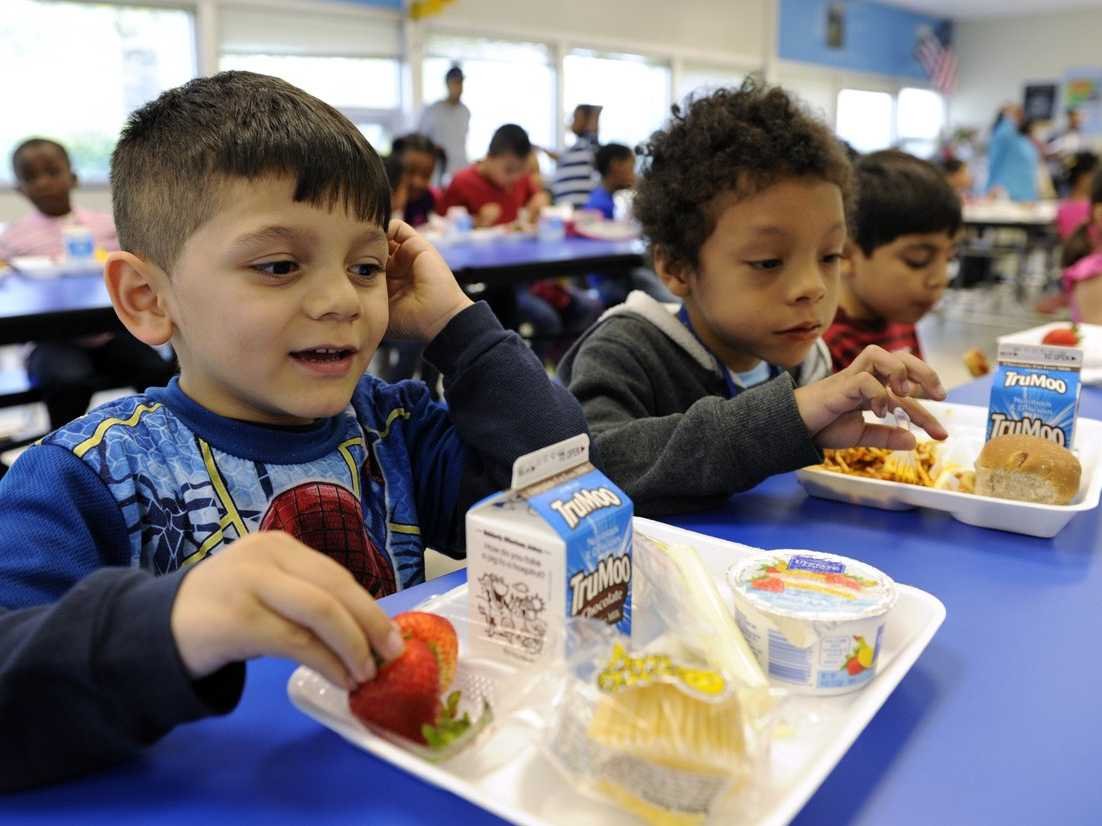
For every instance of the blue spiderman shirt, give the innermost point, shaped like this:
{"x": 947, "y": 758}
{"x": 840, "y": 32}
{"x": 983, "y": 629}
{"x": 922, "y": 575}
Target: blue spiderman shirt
{"x": 158, "y": 482}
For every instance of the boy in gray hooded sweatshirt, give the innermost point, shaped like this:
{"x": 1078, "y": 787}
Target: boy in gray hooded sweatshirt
{"x": 744, "y": 202}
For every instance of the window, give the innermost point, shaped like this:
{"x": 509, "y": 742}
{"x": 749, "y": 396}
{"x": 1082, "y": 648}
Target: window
{"x": 349, "y": 60}
{"x": 697, "y": 80}
{"x": 342, "y": 82}
{"x": 865, "y": 119}
{"x": 505, "y": 82}
{"x": 919, "y": 119}
{"x": 97, "y": 64}
{"x": 634, "y": 91}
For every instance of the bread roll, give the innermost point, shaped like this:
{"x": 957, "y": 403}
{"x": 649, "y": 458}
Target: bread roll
{"x": 1029, "y": 469}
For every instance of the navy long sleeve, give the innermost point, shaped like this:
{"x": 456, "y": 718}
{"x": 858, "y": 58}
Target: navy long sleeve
{"x": 90, "y": 680}
{"x": 501, "y": 404}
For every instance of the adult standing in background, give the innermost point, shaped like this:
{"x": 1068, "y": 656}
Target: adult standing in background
{"x": 1012, "y": 159}
{"x": 447, "y": 122}
{"x": 576, "y": 174}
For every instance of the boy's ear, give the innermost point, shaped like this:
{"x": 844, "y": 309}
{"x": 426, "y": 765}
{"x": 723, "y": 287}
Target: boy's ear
{"x": 137, "y": 288}
{"x": 674, "y": 274}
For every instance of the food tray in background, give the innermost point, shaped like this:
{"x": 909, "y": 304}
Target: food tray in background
{"x": 528, "y": 789}
{"x": 40, "y": 266}
{"x": 1090, "y": 342}
{"x": 967, "y": 426}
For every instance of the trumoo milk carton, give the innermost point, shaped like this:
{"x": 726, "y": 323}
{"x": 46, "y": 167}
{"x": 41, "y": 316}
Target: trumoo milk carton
{"x": 556, "y": 545}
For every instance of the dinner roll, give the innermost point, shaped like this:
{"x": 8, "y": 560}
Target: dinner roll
{"x": 1029, "y": 469}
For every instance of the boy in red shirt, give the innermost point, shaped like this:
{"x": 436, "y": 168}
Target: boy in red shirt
{"x": 896, "y": 267}
{"x": 495, "y": 189}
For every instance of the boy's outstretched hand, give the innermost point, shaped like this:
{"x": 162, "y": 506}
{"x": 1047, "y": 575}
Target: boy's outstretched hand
{"x": 270, "y": 595}
{"x": 424, "y": 295}
{"x": 878, "y": 381}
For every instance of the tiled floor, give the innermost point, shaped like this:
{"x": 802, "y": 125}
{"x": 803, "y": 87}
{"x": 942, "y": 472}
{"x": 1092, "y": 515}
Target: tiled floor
{"x": 964, "y": 319}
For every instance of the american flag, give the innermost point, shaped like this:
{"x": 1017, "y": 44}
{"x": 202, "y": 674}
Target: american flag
{"x": 937, "y": 57}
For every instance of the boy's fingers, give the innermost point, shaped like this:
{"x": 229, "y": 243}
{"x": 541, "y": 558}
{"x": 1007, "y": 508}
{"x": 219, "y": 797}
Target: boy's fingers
{"x": 924, "y": 374}
{"x": 282, "y": 638}
{"x": 923, "y": 418}
{"x": 887, "y": 367}
{"x": 885, "y": 436}
{"x": 305, "y": 563}
{"x": 400, "y": 231}
{"x": 318, "y": 612}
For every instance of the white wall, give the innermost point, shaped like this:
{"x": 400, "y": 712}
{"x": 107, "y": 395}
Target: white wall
{"x": 998, "y": 55}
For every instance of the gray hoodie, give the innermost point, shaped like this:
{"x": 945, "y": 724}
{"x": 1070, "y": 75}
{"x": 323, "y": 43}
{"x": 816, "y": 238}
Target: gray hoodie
{"x": 663, "y": 429}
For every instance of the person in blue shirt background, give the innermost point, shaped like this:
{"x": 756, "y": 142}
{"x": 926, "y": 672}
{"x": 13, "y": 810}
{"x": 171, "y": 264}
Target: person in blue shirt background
{"x": 1012, "y": 158}
{"x": 616, "y": 165}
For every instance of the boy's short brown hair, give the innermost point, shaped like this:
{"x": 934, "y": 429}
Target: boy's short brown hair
{"x": 732, "y": 141}
{"x": 176, "y": 153}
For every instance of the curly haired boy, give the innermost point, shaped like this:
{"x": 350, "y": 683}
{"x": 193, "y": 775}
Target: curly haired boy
{"x": 743, "y": 201}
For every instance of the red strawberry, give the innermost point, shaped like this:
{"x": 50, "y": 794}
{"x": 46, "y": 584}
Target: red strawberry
{"x": 854, "y": 667}
{"x": 436, "y": 632}
{"x": 405, "y": 694}
{"x": 768, "y": 583}
{"x": 1062, "y": 337}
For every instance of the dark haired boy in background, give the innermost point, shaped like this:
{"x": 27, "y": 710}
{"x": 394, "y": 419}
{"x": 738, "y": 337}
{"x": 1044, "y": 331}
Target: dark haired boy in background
{"x": 897, "y": 264}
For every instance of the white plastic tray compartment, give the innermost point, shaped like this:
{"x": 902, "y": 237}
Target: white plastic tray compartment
{"x": 527, "y": 789}
{"x": 967, "y": 424}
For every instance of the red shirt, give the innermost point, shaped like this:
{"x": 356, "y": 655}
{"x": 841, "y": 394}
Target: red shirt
{"x": 847, "y": 337}
{"x": 470, "y": 189}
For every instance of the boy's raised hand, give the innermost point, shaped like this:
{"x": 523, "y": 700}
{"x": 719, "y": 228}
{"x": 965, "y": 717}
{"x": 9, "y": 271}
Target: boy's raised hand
{"x": 270, "y": 595}
{"x": 878, "y": 381}
{"x": 424, "y": 295}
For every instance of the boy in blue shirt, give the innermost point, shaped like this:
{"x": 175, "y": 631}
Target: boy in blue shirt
{"x": 253, "y": 221}
{"x": 616, "y": 166}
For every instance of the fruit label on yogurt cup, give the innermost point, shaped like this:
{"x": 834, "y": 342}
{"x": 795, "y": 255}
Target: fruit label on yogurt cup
{"x": 1035, "y": 392}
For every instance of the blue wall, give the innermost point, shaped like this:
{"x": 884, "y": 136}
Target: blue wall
{"x": 878, "y": 38}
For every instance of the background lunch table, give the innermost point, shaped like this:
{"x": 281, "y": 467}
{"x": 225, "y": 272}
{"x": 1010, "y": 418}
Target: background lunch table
{"x": 998, "y": 721}
{"x": 34, "y": 309}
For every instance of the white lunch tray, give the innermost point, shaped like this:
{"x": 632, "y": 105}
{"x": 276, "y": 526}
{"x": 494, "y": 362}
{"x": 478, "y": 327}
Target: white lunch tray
{"x": 528, "y": 789}
{"x": 1090, "y": 342}
{"x": 967, "y": 424}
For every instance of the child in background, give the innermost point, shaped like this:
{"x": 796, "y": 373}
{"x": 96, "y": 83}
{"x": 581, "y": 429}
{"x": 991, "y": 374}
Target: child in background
{"x": 417, "y": 156}
{"x": 275, "y": 271}
{"x": 495, "y": 191}
{"x": 959, "y": 177}
{"x": 897, "y": 264}
{"x": 616, "y": 166}
{"x": 409, "y": 168}
{"x": 68, "y": 372}
{"x": 575, "y": 172}
{"x": 1083, "y": 262}
{"x": 743, "y": 204}
{"x": 1075, "y": 210}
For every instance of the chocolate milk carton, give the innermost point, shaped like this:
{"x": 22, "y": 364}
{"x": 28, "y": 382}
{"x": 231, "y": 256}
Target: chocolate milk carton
{"x": 556, "y": 545}
{"x": 1035, "y": 392}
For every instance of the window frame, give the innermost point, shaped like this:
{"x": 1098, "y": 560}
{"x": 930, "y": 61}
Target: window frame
{"x": 191, "y": 7}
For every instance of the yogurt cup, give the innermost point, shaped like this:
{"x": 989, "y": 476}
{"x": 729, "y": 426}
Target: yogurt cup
{"x": 815, "y": 621}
